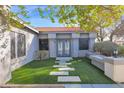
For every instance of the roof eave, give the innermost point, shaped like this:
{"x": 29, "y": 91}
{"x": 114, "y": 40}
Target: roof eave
{"x": 21, "y": 22}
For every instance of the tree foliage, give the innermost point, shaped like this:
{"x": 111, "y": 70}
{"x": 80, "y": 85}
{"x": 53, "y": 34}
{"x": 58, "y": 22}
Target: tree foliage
{"x": 87, "y": 17}
{"x": 11, "y": 18}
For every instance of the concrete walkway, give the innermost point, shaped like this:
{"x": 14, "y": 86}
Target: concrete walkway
{"x": 62, "y": 86}
{"x": 63, "y": 73}
{"x": 32, "y": 86}
{"x": 94, "y": 85}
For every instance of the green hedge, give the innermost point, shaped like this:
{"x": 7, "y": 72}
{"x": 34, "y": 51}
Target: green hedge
{"x": 106, "y": 48}
{"x": 121, "y": 50}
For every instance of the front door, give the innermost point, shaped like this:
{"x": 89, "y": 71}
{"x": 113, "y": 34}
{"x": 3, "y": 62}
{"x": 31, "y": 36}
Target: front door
{"x": 63, "y": 48}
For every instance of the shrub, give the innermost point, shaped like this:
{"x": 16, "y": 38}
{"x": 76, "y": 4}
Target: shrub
{"x": 106, "y": 48}
{"x": 98, "y": 47}
{"x": 121, "y": 50}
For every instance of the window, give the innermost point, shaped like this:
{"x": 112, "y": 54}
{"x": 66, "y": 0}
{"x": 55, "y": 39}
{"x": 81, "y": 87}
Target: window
{"x": 13, "y": 50}
{"x": 43, "y": 44}
{"x": 21, "y": 45}
{"x": 83, "y": 43}
{"x": 18, "y": 45}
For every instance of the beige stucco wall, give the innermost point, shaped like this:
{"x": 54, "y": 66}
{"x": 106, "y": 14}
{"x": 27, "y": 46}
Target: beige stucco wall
{"x": 114, "y": 69}
{"x": 63, "y": 36}
{"x": 32, "y": 45}
{"x": 5, "y": 70}
{"x": 6, "y": 64}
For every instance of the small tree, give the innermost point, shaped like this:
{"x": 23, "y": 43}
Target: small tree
{"x": 118, "y": 27}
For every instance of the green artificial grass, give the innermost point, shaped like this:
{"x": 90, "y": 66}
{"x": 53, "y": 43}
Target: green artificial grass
{"x": 89, "y": 74}
{"x": 37, "y": 72}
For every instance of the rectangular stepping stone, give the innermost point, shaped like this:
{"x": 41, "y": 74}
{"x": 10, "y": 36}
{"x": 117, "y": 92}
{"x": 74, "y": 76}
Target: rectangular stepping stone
{"x": 65, "y": 63}
{"x": 59, "y": 73}
{"x": 67, "y": 69}
{"x": 68, "y": 63}
{"x": 59, "y": 66}
{"x": 61, "y": 62}
{"x": 69, "y": 79}
{"x": 57, "y": 61}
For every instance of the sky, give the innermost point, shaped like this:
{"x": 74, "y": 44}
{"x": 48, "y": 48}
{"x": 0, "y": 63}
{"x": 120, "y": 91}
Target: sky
{"x": 35, "y": 20}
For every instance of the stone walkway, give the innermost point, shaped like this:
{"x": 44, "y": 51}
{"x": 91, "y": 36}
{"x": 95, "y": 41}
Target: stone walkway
{"x": 62, "y": 86}
{"x": 94, "y": 85}
{"x": 63, "y": 73}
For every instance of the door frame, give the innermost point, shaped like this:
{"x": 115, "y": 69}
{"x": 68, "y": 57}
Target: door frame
{"x": 69, "y": 47}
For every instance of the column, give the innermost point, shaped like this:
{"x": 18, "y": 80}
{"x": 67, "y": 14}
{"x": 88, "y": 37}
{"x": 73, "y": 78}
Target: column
{"x": 52, "y": 44}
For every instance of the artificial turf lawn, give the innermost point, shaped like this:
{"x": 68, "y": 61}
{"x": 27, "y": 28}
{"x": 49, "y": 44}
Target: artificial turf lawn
{"x": 37, "y": 72}
{"x": 89, "y": 74}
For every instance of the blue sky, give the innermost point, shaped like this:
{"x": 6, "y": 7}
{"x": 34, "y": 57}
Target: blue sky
{"x": 35, "y": 19}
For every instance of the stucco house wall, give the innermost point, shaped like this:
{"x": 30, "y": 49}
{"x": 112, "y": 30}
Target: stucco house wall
{"x": 75, "y": 44}
{"x": 5, "y": 69}
{"x": 74, "y": 38}
{"x": 7, "y": 65}
{"x": 32, "y": 45}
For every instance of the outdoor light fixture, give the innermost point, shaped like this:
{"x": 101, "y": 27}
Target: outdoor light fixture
{"x": 115, "y": 53}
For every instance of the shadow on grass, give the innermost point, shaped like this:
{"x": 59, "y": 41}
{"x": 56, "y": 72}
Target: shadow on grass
{"x": 35, "y": 72}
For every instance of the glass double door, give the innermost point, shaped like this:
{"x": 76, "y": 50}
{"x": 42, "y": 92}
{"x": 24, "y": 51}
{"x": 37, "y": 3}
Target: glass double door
{"x": 63, "y": 48}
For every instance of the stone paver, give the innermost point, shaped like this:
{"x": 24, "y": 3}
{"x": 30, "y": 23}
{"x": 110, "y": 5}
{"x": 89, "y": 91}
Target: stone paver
{"x": 64, "y": 58}
{"x": 57, "y": 61}
{"x": 65, "y": 63}
{"x": 60, "y": 66}
{"x": 68, "y": 63}
{"x": 62, "y": 63}
{"x": 59, "y": 73}
{"x": 69, "y": 79}
{"x": 66, "y": 69}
